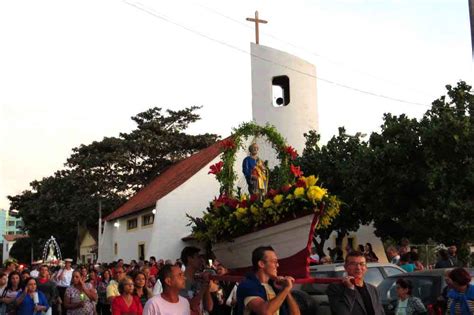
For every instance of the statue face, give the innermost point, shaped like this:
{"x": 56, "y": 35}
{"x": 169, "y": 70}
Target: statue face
{"x": 254, "y": 149}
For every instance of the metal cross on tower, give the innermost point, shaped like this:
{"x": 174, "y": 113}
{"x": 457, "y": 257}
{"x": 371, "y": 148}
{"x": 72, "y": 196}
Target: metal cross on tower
{"x": 257, "y": 21}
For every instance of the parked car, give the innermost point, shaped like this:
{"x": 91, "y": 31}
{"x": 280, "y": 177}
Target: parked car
{"x": 427, "y": 285}
{"x": 312, "y": 297}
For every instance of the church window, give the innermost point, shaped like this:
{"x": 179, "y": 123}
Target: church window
{"x": 132, "y": 224}
{"x": 148, "y": 219}
{"x": 141, "y": 251}
{"x": 280, "y": 91}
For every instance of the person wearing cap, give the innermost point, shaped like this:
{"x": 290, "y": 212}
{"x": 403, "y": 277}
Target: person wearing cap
{"x": 35, "y": 268}
{"x": 63, "y": 279}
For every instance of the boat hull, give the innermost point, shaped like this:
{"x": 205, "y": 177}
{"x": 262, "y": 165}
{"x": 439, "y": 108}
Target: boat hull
{"x": 291, "y": 241}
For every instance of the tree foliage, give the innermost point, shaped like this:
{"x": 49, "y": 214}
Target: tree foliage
{"x": 109, "y": 171}
{"x": 414, "y": 178}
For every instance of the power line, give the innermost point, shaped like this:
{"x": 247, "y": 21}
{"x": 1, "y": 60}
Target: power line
{"x": 330, "y": 60}
{"x": 152, "y": 12}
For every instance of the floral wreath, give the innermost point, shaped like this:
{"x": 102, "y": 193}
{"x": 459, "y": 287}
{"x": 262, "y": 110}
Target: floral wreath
{"x": 290, "y": 194}
{"x": 224, "y": 169}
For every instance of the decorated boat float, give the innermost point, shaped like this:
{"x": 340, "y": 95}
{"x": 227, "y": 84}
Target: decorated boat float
{"x": 282, "y": 208}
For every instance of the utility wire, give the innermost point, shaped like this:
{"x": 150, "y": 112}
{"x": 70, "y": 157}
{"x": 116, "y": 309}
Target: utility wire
{"x": 152, "y": 12}
{"x": 330, "y": 60}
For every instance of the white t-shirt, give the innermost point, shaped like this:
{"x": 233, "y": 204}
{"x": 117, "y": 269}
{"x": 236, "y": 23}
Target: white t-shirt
{"x": 402, "y": 307}
{"x": 159, "y": 306}
{"x": 66, "y": 280}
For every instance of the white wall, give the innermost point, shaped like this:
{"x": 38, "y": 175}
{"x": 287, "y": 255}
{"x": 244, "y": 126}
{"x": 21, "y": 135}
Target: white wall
{"x": 192, "y": 197}
{"x": 163, "y": 238}
{"x": 300, "y": 115}
{"x": 7, "y": 246}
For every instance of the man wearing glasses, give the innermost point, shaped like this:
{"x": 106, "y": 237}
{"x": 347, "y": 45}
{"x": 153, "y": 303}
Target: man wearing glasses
{"x": 353, "y": 295}
{"x": 264, "y": 292}
{"x": 112, "y": 288}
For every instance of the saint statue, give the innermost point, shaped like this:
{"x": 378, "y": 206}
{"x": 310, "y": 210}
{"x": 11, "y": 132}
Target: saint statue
{"x": 255, "y": 171}
{"x": 51, "y": 256}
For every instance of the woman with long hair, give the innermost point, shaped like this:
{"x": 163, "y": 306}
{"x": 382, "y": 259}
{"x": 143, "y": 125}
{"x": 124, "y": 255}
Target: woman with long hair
{"x": 80, "y": 296}
{"x": 407, "y": 304}
{"x": 126, "y": 303}
{"x": 369, "y": 254}
{"x": 9, "y": 294}
{"x": 103, "y": 305}
{"x": 140, "y": 289}
{"x": 30, "y": 301}
{"x": 461, "y": 296}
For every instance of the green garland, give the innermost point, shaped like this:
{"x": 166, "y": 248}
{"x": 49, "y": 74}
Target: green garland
{"x": 227, "y": 176}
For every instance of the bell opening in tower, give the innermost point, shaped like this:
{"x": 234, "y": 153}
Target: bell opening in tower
{"x": 280, "y": 91}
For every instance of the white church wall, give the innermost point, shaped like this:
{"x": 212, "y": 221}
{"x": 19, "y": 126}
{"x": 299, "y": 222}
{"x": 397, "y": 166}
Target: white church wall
{"x": 106, "y": 243}
{"x": 300, "y": 115}
{"x": 192, "y": 197}
{"x": 365, "y": 234}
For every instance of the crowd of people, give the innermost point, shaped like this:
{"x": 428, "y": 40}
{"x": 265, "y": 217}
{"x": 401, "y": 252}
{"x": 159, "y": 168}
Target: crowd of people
{"x": 185, "y": 287}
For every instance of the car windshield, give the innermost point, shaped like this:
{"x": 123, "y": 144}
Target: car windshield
{"x": 423, "y": 287}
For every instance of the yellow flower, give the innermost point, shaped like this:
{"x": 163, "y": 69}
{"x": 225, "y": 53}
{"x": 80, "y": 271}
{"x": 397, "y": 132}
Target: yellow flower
{"x": 311, "y": 181}
{"x": 253, "y": 209}
{"x": 278, "y": 199}
{"x": 316, "y": 193}
{"x": 243, "y": 197}
{"x": 289, "y": 196}
{"x": 267, "y": 203}
{"x": 299, "y": 192}
{"x": 240, "y": 212}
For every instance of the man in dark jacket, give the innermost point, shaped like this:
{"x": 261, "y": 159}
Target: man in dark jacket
{"x": 354, "y": 296}
{"x": 48, "y": 288}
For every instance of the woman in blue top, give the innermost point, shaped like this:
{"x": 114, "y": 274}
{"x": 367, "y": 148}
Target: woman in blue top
{"x": 30, "y": 301}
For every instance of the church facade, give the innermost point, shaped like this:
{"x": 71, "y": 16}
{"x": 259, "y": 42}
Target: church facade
{"x": 154, "y": 221}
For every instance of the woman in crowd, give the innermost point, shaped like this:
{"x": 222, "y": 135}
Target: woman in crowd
{"x": 30, "y": 301}
{"x": 103, "y": 305}
{"x": 9, "y": 294}
{"x": 80, "y": 296}
{"x": 140, "y": 289}
{"x": 408, "y": 304}
{"x": 369, "y": 253}
{"x": 93, "y": 278}
{"x": 126, "y": 303}
{"x": 461, "y": 296}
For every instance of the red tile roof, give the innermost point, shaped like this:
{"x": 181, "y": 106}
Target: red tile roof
{"x": 14, "y": 237}
{"x": 166, "y": 182}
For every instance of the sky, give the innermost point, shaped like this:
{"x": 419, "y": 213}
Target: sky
{"x": 73, "y": 72}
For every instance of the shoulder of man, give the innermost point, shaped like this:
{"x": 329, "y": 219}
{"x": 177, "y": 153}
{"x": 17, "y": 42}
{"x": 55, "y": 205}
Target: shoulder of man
{"x": 335, "y": 288}
{"x": 248, "y": 287}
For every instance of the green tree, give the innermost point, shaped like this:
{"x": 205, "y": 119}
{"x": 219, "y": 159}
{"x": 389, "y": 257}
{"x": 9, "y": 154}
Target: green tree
{"x": 109, "y": 171}
{"x": 341, "y": 168}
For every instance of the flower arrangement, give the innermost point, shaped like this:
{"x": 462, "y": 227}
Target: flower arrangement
{"x": 229, "y": 217}
{"x": 291, "y": 195}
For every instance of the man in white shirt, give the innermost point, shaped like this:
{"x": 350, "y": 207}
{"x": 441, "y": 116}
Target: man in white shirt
{"x": 63, "y": 278}
{"x": 169, "y": 302}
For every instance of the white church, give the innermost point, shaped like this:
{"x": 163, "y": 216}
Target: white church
{"x": 154, "y": 222}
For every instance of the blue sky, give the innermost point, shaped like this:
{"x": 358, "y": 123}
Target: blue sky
{"x": 74, "y": 72}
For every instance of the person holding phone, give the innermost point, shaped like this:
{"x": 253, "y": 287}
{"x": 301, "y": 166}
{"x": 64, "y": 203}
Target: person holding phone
{"x": 30, "y": 301}
{"x": 80, "y": 296}
{"x": 353, "y": 295}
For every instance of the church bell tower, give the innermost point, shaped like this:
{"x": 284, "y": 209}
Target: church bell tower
{"x": 284, "y": 93}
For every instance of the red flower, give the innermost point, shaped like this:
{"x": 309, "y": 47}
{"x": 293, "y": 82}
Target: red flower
{"x": 291, "y": 152}
{"x": 253, "y": 198}
{"x": 300, "y": 183}
{"x": 233, "y": 203}
{"x": 296, "y": 170}
{"x": 228, "y": 144}
{"x": 285, "y": 188}
{"x": 216, "y": 168}
{"x": 243, "y": 204}
{"x": 272, "y": 193}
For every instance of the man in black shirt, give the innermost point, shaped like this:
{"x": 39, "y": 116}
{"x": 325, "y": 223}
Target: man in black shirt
{"x": 353, "y": 295}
